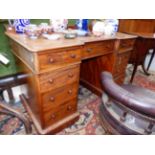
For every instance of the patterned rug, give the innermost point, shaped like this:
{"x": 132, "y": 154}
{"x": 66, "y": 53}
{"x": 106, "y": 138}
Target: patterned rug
{"x": 88, "y": 106}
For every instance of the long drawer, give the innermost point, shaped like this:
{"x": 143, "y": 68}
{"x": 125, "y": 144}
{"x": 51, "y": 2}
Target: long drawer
{"x": 97, "y": 49}
{"x": 52, "y": 80}
{"x": 57, "y": 59}
{"x": 57, "y": 97}
{"x": 57, "y": 114}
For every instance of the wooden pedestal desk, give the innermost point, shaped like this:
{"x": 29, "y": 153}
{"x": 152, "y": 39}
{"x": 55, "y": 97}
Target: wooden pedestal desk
{"x": 54, "y": 69}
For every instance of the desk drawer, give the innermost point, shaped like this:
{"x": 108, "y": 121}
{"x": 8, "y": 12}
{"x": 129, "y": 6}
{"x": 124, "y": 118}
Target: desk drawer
{"x": 58, "y": 96}
{"x": 126, "y": 44}
{"x": 60, "y": 113}
{"x": 58, "y": 59}
{"x": 97, "y": 49}
{"x": 121, "y": 63}
{"x": 55, "y": 79}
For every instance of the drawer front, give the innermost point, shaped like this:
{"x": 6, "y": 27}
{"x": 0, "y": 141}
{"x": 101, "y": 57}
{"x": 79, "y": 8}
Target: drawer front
{"x": 60, "y": 113}
{"x": 52, "y": 80}
{"x": 55, "y": 60}
{"x": 121, "y": 63}
{"x": 126, "y": 44}
{"x": 55, "y": 98}
{"x": 97, "y": 49}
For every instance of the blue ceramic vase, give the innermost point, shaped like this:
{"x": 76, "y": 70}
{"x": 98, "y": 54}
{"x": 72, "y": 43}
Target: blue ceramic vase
{"x": 20, "y": 24}
{"x": 82, "y": 24}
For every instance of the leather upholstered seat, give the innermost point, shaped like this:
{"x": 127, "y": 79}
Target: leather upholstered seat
{"x": 129, "y": 109}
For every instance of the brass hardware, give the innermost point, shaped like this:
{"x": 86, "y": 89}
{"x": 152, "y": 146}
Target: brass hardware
{"x": 89, "y": 50}
{"x": 70, "y": 91}
{"x": 51, "y": 60}
{"x": 70, "y": 75}
{"x": 73, "y": 55}
{"x": 51, "y": 81}
{"x": 69, "y": 108}
{"x": 53, "y": 116}
{"x": 52, "y": 98}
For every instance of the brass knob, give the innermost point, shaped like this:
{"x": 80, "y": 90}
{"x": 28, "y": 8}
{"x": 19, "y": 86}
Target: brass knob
{"x": 52, "y": 98}
{"x": 73, "y": 55}
{"x": 51, "y": 81}
{"x": 70, "y": 75}
{"x": 89, "y": 50}
{"x": 51, "y": 60}
{"x": 70, "y": 91}
{"x": 53, "y": 116}
{"x": 69, "y": 108}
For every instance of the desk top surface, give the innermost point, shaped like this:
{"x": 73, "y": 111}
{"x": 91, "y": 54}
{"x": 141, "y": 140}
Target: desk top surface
{"x": 143, "y": 35}
{"x": 42, "y": 44}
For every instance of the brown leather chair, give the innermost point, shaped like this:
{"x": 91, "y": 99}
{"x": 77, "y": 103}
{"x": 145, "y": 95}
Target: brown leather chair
{"x": 6, "y": 84}
{"x": 127, "y": 109}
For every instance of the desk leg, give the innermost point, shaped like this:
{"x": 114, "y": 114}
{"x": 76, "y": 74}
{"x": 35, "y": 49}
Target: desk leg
{"x": 134, "y": 72}
{"x": 152, "y": 56}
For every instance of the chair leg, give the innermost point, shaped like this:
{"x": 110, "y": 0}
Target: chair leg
{"x": 8, "y": 110}
{"x": 1, "y": 95}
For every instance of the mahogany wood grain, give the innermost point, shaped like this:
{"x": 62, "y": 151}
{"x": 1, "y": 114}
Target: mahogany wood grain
{"x": 122, "y": 61}
{"x": 53, "y": 69}
{"x": 94, "y": 49}
{"x": 91, "y": 70}
{"x": 52, "y": 129}
{"x": 58, "y": 113}
{"x": 53, "y": 99}
{"x": 58, "y": 78}
{"x": 137, "y": 25}
{"x": 59, "y": 59}
{"x": 126, "y": 45}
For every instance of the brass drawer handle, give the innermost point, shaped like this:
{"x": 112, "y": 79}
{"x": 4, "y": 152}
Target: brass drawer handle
{"x": 51, "y": 81}
{"x": 89, "y": 50}
{"x": 52, "y": 98}
{"x": 70, "y": 91}
{"x": 70, "y": 75}
{"x": 51, "y": 60}
{"x": 73, "y": 55}
{"x": 53, "y": 116}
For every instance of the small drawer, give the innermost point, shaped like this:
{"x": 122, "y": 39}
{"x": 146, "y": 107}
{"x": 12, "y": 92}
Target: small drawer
{"x": 54, "y": 60}
{"x": 58, "y": 96}
{"x": 60, "y": 113}
{"x": 52, "y": 80}
{"x": 126, "y": 44}
{"x": 121, "y": 63}
{"x": 97, "y": 49}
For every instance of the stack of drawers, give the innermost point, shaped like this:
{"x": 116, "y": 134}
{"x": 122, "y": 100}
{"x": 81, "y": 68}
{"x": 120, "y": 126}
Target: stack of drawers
{"x": 58, "y": 85}
{"x": 122, "y": 57}
{"x": 59, "y": 91}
